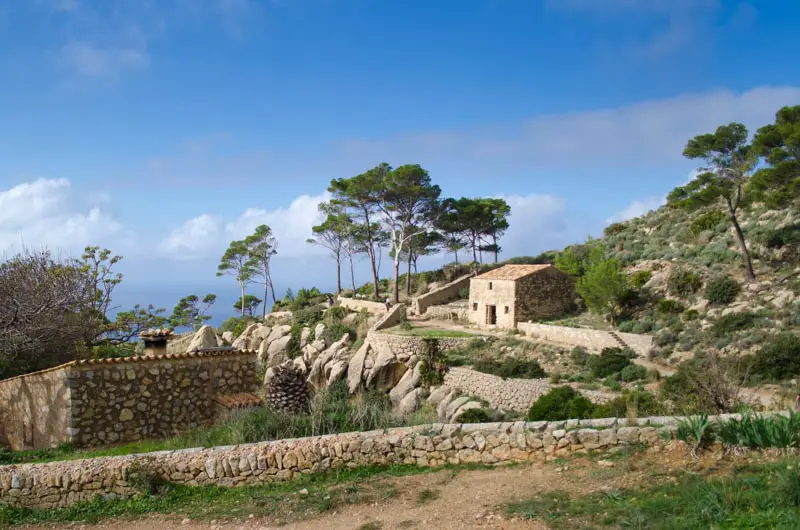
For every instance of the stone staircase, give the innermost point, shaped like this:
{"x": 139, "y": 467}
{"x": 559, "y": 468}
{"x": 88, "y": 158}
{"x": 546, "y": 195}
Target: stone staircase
{"x": 618, "y": 339}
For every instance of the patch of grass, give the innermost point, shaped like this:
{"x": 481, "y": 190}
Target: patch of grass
{"x": 762, "y": 496}
{"x": 280, "y": 501}
{"x": 427, "y": 495}
{"x": 372, "y": 525}
{"x": 434, "y": 333}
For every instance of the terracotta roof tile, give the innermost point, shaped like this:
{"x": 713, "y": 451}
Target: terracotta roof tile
{"x": 512, "y": 272}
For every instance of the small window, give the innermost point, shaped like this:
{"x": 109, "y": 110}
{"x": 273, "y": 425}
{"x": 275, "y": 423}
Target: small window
{"x": 506, "y": 310}
{"x": 490, "y": 286}
{"x": 475, "y": 306}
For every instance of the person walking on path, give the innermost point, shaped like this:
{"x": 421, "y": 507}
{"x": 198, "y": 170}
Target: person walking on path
{"x": 388, "y": 303}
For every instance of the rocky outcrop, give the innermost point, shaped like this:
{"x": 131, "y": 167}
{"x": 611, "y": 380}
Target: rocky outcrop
{"x": 205, "y": 337}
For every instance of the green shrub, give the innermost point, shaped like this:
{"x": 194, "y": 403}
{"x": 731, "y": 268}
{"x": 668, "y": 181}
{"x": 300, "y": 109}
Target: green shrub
{"x": 511, "y": 367}
{"x": 579, "y": 355}
{"x": 683, "y": 283}
{"x": 308, "y": 316}
{"x": 610, "y": 361}
{"x": 732, "y": 322}
{"x": 636, "y": 403}
{"x": 691, "y": 314}
{"x": 697, "y": 431}
{"x": 611, "y": 383}
{"x": 633, "y": 372}
{"x": 722, "y": 290}
{"x": 475, "y": 416}
{"x": 707, "y": 221}
{"x": 562, "y": 403}
{"x": 778, "y": 359}
{"x": 337, "y": 330}
{"x": 236, "y": 325}
{"x": 665, "y": 337}
{"x": 788, "y": 235}
{"x": 146, "y": 480}
{"x": 614, "y": 229}
{"x": 640, "y": 278}
{"x": 670, "y": 307}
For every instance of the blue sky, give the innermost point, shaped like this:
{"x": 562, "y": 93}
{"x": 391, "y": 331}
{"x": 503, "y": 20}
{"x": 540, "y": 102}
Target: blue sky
{"x": 164, "y": 129}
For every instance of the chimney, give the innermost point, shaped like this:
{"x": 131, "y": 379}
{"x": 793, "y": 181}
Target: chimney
{"x": 155, "y": 341}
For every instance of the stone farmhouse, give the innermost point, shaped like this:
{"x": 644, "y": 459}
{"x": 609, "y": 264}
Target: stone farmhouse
{"x": 108, "y": 401}
{"x": 503, "y": 297}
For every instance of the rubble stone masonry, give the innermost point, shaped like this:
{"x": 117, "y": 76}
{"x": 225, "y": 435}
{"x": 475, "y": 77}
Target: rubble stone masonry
{"x": 63, "y": 483}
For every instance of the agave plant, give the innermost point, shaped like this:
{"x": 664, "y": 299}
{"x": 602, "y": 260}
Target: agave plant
{"x": 698, "y": 431}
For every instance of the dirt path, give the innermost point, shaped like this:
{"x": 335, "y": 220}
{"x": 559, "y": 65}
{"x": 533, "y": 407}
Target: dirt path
{"x": 443, "y": 500}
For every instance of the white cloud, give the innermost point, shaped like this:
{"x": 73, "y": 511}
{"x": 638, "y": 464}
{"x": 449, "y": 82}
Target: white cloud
{"x": 208, "y": 235}
{"x": 641, "y": 135}
{"x": 94, "y": 61}
{"x": 538, "y": 223}
{"x": 637, "y": 208}
{"x": 46, "y": 212}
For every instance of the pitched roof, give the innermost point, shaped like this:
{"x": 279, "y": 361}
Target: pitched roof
{"x": 512, "y": 272}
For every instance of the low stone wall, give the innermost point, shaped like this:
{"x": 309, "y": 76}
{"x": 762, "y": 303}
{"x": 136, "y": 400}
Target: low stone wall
{"x": 509, "y": 394}
{"x": 395, "y": 315}
{"x": 440, "y": 295}
{"x": 355, "y": 304}
{"x": 59, "y": 484}
{"x": 459, "y": 310}
{"x": 409, "y": 345}
{"x": 591, "y": 339}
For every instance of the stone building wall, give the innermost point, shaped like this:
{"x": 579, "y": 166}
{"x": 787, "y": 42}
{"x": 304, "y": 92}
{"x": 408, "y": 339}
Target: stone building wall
{"x": 34, "y": 409}
{"x": 499, "y": 293}
{"x": 441, "y": 295}
{"x": 58, "y": 484}
{"x": 592, "y": 339}
{"x": 355, "y": 304}
{"x": 545, "y": 294}
{"x": 138, "y": 397}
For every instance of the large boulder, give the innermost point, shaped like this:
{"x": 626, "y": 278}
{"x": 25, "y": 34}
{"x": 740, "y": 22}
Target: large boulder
{"x": 305, "y": 334}
{"x": 205, "y": 337}
{"x": 411, "y": 402}
{"x": 438, "y": 394}
{"x": 355, "y": 370}
{"x": 227, "y": 336}
{"x": 409, "y": 382}
{"x": 279, "y": 332}
{"x": 462, "y": 409}
{"x": 319, "y": 332}
{"x": 278, "y": 349}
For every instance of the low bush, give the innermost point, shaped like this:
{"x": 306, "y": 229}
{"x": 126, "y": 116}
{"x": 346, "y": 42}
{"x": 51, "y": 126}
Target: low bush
{"x": 640, "y": 278}
{"x": 632, "y": 403}
{"x": 691, "y": 314}
{"x": 732, "y": 322}
{"x": 671, "y": 307}
{"x": 579, "y": 355}
{"x": 707, "y": 221}
{"x": 633, "y": 372}
{"x": 610, "y": 361}
{"x": 665, "y": 337}
{"x": 752, "y": 430}
{"x": 511, "y": 367}
{"x": 614, "y": 229}
{"x": 778, "y": 359}
{"x": 722, "y": 290}
{"x": 562, "y": 403}
{"x": 781, "y": 237}
{"x": 683, "y": 283}
{"x": 475, "y": 416}
{"x": 236, "y": 325}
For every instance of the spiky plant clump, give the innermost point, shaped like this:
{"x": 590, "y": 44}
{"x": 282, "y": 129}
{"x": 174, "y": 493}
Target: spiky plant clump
{"x": 287, "y": 390}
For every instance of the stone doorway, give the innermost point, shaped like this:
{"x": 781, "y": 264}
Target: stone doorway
{"x": 491, "y": 315}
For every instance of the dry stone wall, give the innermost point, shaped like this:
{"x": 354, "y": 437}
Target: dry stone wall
{"x": 441, "y": 295}
{"x": 411, "y": 345}
{"x": 354, "y": 304}
{"x": 128, "y": 401}
{"x": 451, "y": 311}
{"x": 59, "y": 484}
{"x": 591, "y": 339}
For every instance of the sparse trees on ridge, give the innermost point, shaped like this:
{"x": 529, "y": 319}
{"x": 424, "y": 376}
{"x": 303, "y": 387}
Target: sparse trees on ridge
{"x": 261, "y": 246}
{"x": 236, "y": 262}
{"x": 729, "y": 162}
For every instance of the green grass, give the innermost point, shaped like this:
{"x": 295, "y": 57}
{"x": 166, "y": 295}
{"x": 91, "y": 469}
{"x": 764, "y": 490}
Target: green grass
{"x": 433, "y": 333}
{"x": 755, "y": 497}
{"x": 278, "y": 501}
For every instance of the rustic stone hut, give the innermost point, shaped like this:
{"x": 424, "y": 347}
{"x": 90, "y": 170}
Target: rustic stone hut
{"x": 106, "y": 401}
{"x": 517, "y": 293}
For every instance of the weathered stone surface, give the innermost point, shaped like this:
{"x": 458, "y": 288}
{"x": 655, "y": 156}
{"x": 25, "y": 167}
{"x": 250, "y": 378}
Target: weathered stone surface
{"x": 463, "y": 408}
{"x": 319, "y": 333}
{"x": 410, "y": 402}
{"x": 279, "y": 332}
{"x": 305, "y": 334}
{"x": 280, "y": 345}
{"x": 438, "y": 395}
{"x": 355, "y": 369}
{"x": 409, "y": 382}
{"x": 205, "y": 337}
{"x": 227, "y": 336}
